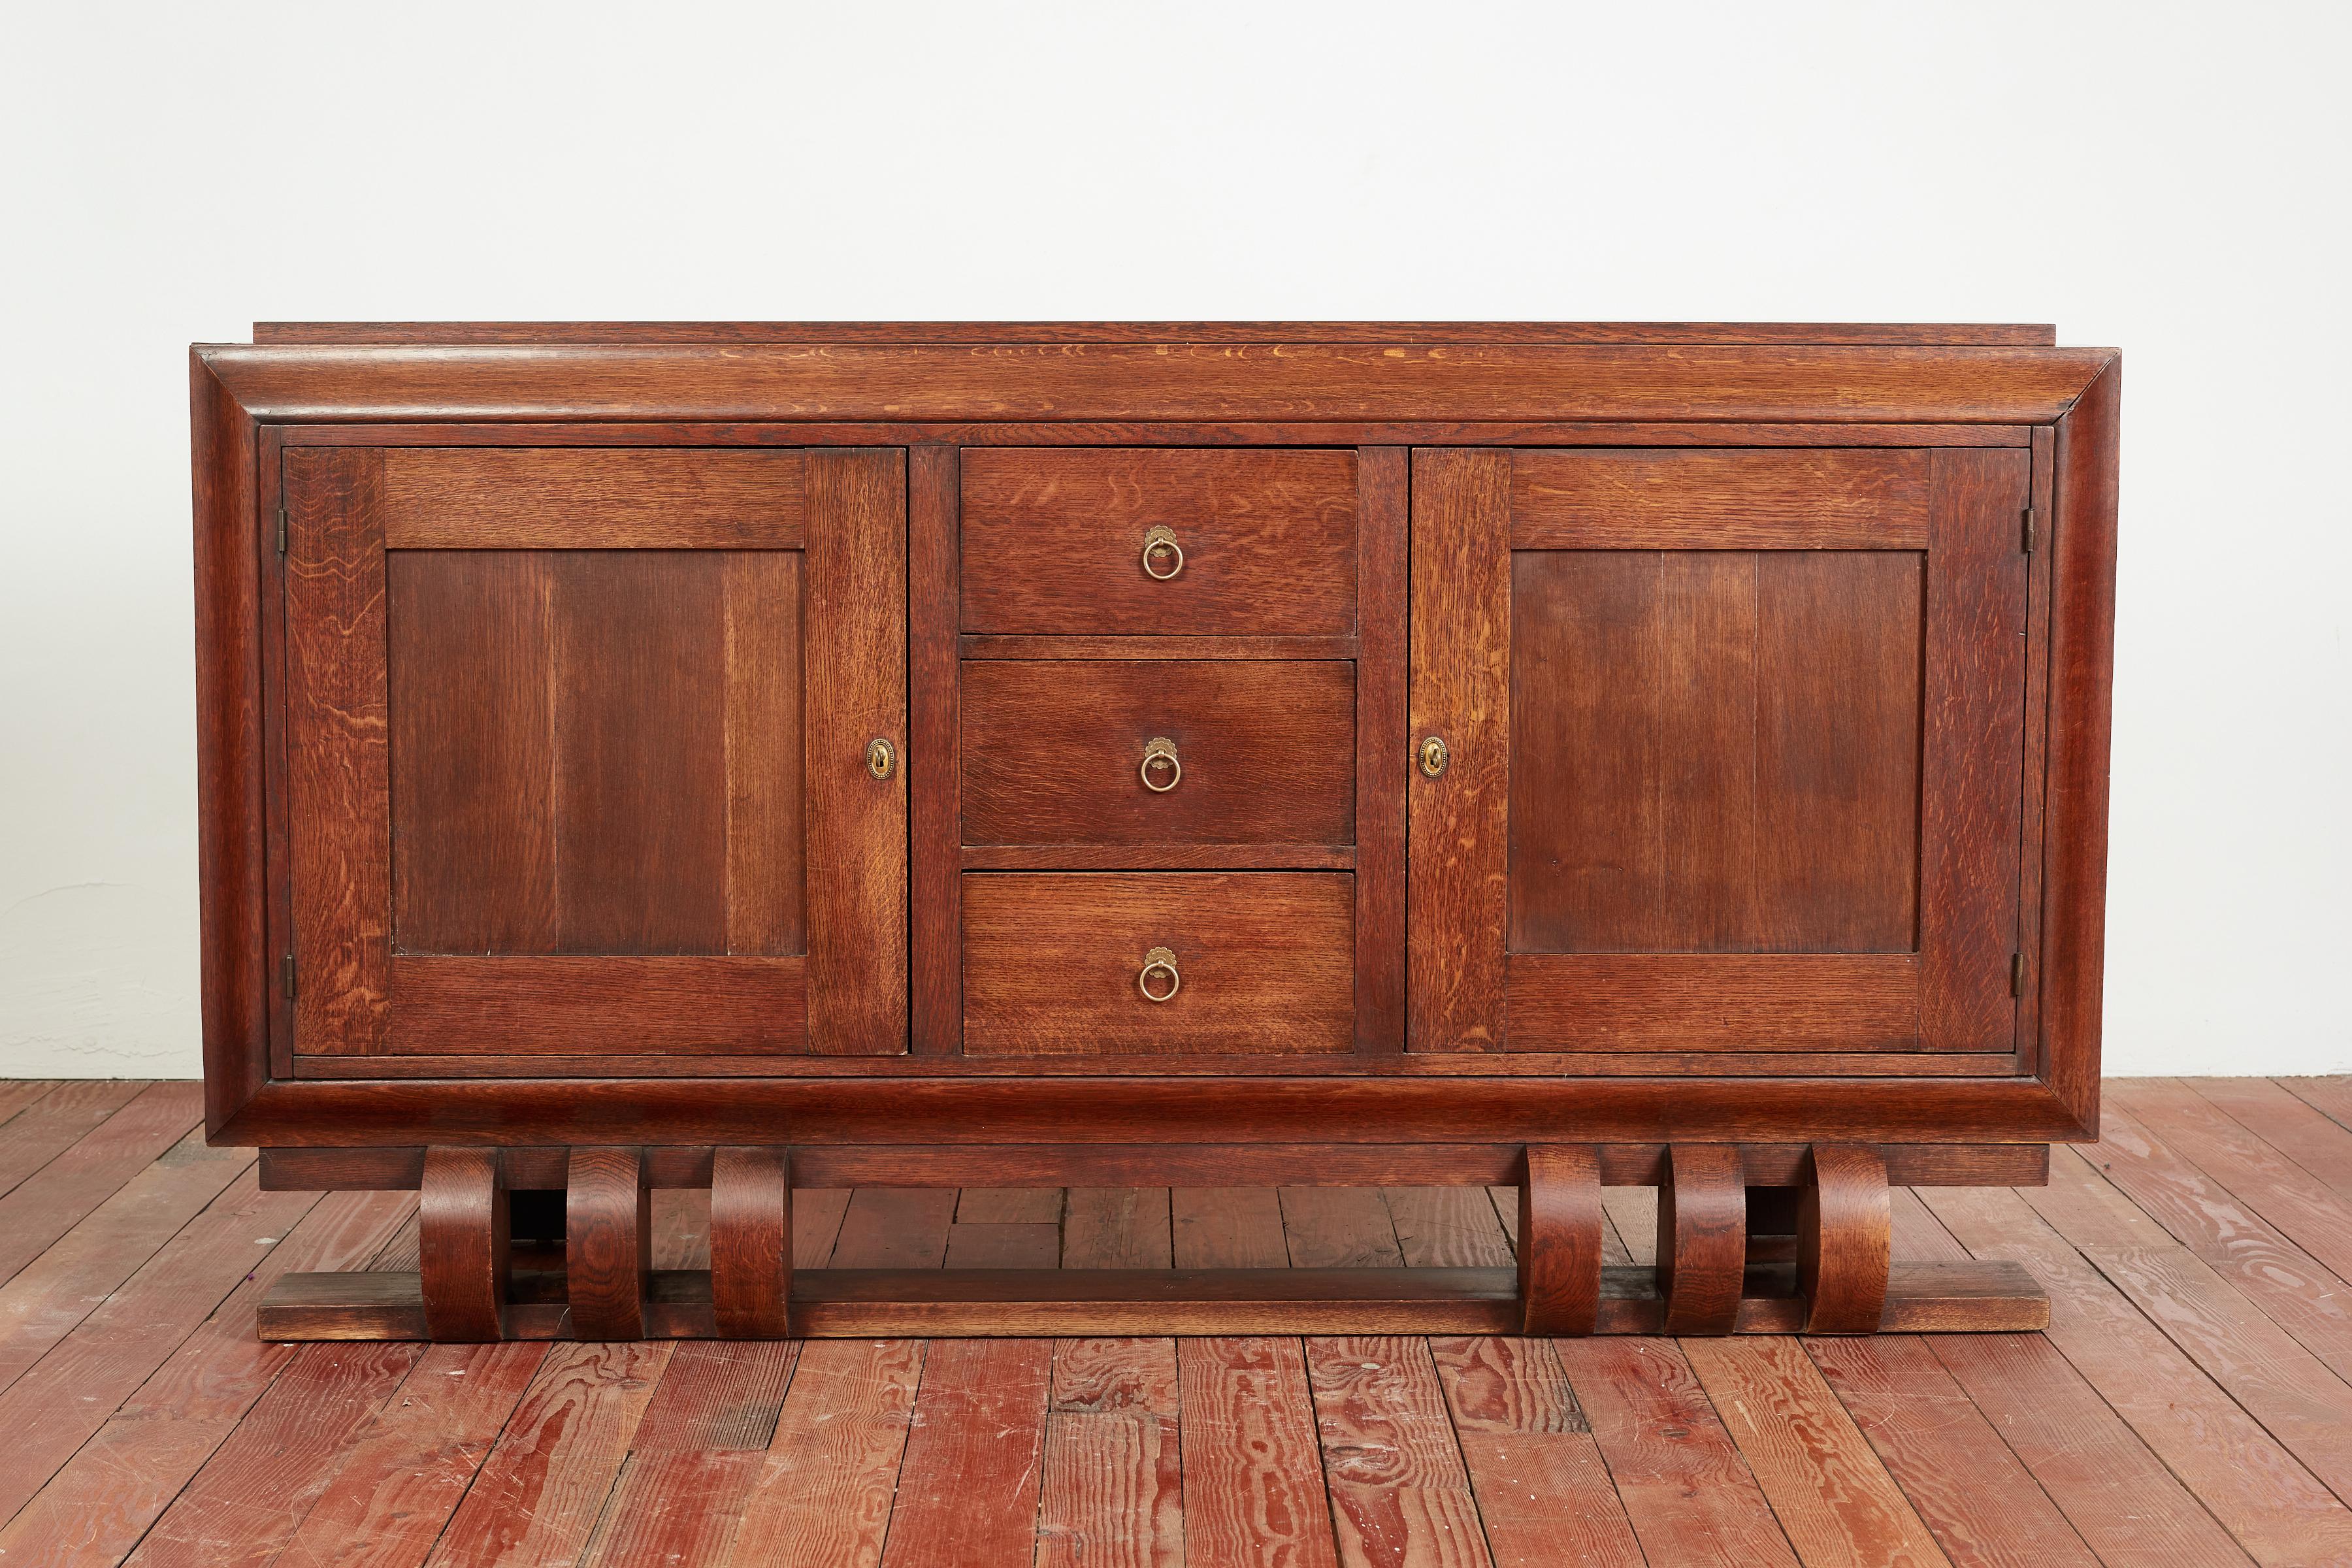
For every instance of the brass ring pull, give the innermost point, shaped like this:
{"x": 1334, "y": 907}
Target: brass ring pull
{"x": 1160, "y": 749}
{"x": 1161, "y": 961}
{"x": 1161, "y": 539}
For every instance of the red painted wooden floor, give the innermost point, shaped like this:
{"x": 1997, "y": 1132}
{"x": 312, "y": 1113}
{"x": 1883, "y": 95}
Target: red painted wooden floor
{"x": 2191, "y": 1403}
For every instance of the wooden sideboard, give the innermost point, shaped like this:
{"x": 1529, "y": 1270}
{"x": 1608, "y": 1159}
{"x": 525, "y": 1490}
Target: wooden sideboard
{"x": 773, "y": 756}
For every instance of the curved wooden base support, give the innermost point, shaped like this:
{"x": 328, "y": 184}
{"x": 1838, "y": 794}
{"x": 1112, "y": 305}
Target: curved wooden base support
{"x": 751, "y": 1243}
{"x": 1844, "y": 1220}
{"x": 1702, "y": 1237}
{"x": 463, "y": 1251}
{"x": 1560, "y": 1241}
{"x": 608, "y": 1236}
{"x": 1804, "y": 1251}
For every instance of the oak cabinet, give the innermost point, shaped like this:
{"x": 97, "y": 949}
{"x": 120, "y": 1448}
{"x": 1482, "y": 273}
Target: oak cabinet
{"x": 764, "y": 756}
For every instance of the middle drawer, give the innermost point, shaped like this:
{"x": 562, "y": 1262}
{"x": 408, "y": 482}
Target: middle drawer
{"x": 1240, "y": 752}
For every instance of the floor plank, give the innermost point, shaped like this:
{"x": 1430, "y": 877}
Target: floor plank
{"x": 1834, "y": 1500}
{"x": 695, "y": 1456}
{"x": 1543, "y": 1489}
{"x": 81, "y": 1268}
{"x": 2293, "y": 1393}
{"x": 45, "y": 1124}
{"x": 1394, "y": 1472}
{"x": 53, "y": 1199}
{"x": 1228, "y": 1227}
{"x": 2303, "y": 1133}
{"x": 405, "y": 1474}
{"x": 894, "y": 1228}
{"x": 2267, "y": 1500}
{"x": 1254, "y": 1493}
{"x": 538, "y": 1497}
{"x": 1338, "y": 1227}
{"x": 1984, "y": 1508}
{"x": 2292, "y": 1288}
{"x": 1687, "y": 1491}
{"x": 1447, "y": 1227}
{"x": 1009, "y": 1205}
{"x": 2300, "y": 1205}
{"x": 1116, "y": 1227}
{"x": 821, "y": 1498}
{"x": 95, "y": 1508}
{"x": 66, "y": 1396}
{"x": 1113, "y": 1487}
{"x": 968, "y": 1487}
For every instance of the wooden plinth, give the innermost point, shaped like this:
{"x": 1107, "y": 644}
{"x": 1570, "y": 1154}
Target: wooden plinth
{"x": 1733, "y": 1259}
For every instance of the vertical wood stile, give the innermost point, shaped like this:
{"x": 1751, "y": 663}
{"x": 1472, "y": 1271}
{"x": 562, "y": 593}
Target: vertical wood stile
{"x": 607, "y": 1242}
{"x": 1844, "y": 1222}
{"x": 1384, "y": 748}
{"x": 464, "y": 1250}
{"x": 1560, "y": 1239}
{"x": 934, "y": 768}
{"x": 750, "y": 1242}
{"x": 1457, "y": 902}
{"x": 1702, "y": 1237}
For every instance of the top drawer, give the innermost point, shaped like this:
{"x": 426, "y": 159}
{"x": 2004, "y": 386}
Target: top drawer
{"x": 1053, "y": 541}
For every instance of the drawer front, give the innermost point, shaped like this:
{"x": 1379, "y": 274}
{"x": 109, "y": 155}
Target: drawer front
{"x": 1254, "y": 753}
{"x": 1054, "y": 542}
{"x": 1263, "y": 963}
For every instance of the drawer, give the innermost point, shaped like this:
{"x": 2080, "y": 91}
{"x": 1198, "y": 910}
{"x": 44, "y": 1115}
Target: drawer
{"x": 1053, "y": 541}
{"x": 1263, "y": 961}
{"x": 1256, "y": 752}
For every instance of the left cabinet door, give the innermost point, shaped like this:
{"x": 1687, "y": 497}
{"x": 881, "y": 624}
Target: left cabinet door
{"x": 594, "y": 752}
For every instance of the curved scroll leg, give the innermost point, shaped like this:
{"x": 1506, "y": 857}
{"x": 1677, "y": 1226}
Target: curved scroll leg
{"x": 1702, "y": 1237}
{"x": 462, "y": 1245}
{"x": 1843, "y": 1222}
{"x": 1560, "y": 1241}
{"x": 750, "y": 1242}
{"x": 607, "y": 1244}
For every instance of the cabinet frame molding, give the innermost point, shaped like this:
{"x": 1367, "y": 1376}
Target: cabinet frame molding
{"x": 1249, "y": 385}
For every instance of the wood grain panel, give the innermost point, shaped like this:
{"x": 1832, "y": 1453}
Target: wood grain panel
{"x": 473, "y": 750}
{"x": 1266, "y": 961}
{"x": 1714, "y": 750}
{"x": 766, "y": 827}
{"x": 1971, "y": 809}
{"x": 586, "y": 498}
{"x": 640, "y": 751}
{"x": 1825, "y": 498}
{"x": 1052, "y": 752}
{"x": 856, "y": 692}
{"x": 1053, "y": 541}
{"x": 1700, "y": 1002}
{"x": 1837, "y": 750}
{"x": 1958, "y": 335}
{"x": 339, "y": 777}
{"x": 935, "y": 773}
{"x": 1383, "y": 769}
{"x": 1457, "y": 899}
{"x": 596, "y": 1004}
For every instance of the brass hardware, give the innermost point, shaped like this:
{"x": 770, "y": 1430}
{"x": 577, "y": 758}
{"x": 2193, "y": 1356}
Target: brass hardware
{"x": 1160, "y": 749}
{"x": 1159, "y": 958}
{"x": 1434, "y": 756}
{"x": 880, "y": 757}
{"x": 1160, "y": 539}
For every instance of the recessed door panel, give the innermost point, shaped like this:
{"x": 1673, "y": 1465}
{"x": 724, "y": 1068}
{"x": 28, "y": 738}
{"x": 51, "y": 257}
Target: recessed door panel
{"x": 556, "y": 788}
{"x": 1735, "y": 749}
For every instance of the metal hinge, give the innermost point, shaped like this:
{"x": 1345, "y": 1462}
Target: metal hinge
{"x": 281, "y": 528}
{"x": 286, "y": 975}
{"x": 2031, "y": 531}
{"x": 2016, "y": 975}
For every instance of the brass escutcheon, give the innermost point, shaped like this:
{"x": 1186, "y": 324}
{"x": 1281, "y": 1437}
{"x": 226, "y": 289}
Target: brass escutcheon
{"x": 880, "y": 757}
{"x": 1160, "y": 539}
{"x": 1160, "y": 749}
{"x": 1433, "y": 756}
{"x": 1162, "y": 959}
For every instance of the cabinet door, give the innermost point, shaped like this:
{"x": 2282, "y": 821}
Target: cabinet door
{"x": 577, "y": 752}
{"x": 1736, "y": 749}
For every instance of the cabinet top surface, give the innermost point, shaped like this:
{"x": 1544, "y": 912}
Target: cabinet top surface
{"x": 1849, "y": 333}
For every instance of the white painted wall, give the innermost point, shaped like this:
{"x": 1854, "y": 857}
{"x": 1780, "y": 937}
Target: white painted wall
{"x": 2169, "y": 178}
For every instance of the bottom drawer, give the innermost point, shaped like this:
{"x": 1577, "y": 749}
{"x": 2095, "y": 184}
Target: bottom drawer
{"x": 1259, "y": 962}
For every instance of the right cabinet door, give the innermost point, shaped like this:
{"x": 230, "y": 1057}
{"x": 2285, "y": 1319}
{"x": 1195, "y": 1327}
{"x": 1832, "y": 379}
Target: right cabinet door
{"x": 1731, "y": 749}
